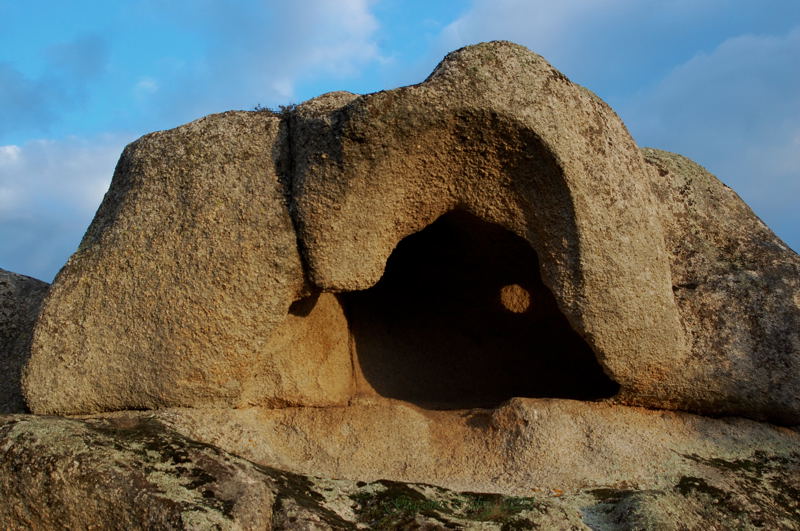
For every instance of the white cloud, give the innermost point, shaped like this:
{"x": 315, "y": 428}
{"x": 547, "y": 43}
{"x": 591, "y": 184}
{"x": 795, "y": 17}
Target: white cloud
{"x": 49, "y": 191}
{"x": 523, "y": 20}
{"x": 258, "y": 52}
{"x": 9, "y": 155}
{"x": 736, "y": 111}
{"x": 8, "y": 198}
{"x": 572, "y": 34}
{"x": 283, "y": 88}
{"x": 69, "y": 171}
{"x": 145, "y": 87}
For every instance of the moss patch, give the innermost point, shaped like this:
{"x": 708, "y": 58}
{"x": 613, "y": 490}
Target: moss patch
{"x": 760, "y": 491}
{"x": 391, "y": 505}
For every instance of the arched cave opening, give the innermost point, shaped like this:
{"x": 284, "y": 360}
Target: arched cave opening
{"x": 462, "y": 319}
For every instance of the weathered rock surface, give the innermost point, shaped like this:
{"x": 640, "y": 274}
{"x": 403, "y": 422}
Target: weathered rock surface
{"x": 364, "y": 287}
{"x": 526, "y": 443}
{"x": 738, "y": 290}
{"x": 20, "y": 300}
{"x": 187, "y": 271}
{"x": 497, "y": 132}
{"x": 59, "y": 473}
{"x": 132, "y": 472}
{"x": 189, "y": 288}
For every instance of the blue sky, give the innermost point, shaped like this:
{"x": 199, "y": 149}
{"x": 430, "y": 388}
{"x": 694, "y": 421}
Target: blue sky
{"x": 716, "y": 80}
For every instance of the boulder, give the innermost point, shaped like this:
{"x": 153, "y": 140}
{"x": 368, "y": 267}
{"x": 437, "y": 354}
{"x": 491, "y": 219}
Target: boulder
{"x": 492, "y": 232}
{"x": 130, "y": 471}
{"x": 188, "y": 269}
{"x": 497, "y": 133}
{"x": 20, "y": 300}
{"x": 737, "y": 286}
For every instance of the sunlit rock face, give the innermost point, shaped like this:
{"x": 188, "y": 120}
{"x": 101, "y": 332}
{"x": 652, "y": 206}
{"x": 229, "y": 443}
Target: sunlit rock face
{"x": 737, "y": 286}
{"x": 493, "y": 232}
{"x": 478, "y": 282}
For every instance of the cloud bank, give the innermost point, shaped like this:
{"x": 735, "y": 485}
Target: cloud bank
{"x": 258, "y": 52}
{"x": 736, "y": 110}
{"x": 49, "y": 191}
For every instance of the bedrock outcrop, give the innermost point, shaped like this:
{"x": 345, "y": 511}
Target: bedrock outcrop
{"x": 132, "y": 471}
{"x": 20, "y": 300}
{"x": 525, "y": 443}
{"x": 254, "y": 259}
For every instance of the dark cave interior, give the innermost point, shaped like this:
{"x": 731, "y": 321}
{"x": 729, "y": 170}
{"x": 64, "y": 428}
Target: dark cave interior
{"x": 461, "y": 319}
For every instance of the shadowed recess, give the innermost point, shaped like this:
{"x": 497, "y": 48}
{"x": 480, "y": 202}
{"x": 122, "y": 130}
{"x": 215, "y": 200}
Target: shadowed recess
{"x": 462, "y": 319}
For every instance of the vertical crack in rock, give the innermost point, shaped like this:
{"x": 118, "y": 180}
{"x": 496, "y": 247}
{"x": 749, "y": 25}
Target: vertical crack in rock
{"x": 283, "y": 155}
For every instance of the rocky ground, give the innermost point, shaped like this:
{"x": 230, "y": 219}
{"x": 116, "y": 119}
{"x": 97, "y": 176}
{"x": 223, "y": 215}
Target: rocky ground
{"x": 131, "y": 471}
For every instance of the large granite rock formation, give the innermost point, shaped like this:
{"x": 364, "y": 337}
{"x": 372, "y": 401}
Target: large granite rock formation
{"x": 479, "y": 282}
{"x": 180, "y": 292}
{"x": 20, "y": 300}
{"x": 496, "y": 132}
